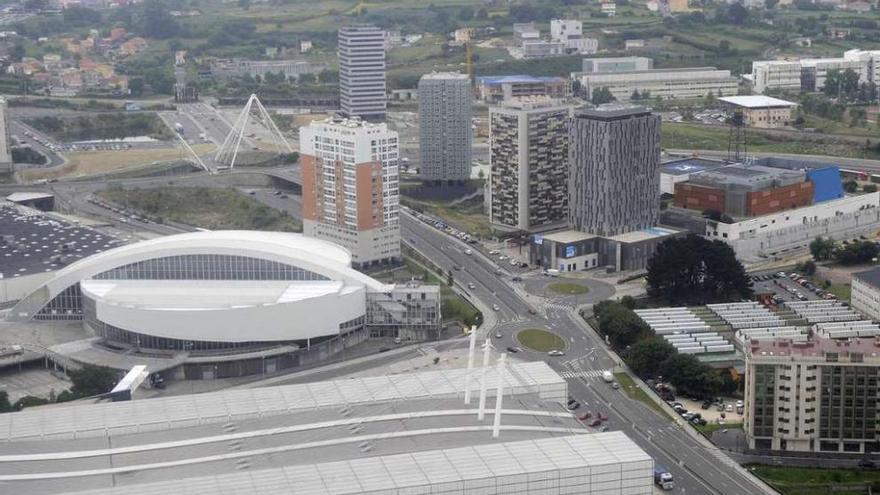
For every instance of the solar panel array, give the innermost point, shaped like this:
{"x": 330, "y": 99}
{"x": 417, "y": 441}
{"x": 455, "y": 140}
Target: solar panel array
{"x": 664, "y": 321}
{"x": 746, "y": 315}
{"x": 822, "y": 311}
{"x": 699, "y": 343}
{"x": 598, "y": 463}
{"x": 166, "y": 413}
{"x": 847, "y": 329}
{"x": 796, "y": 334}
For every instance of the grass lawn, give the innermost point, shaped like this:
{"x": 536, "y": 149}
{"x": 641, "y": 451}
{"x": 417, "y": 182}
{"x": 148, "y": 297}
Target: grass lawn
{"x": 567, "y": 288}
{"x": 204, "y": 207}
{"x": 713, "y": 427}
{"x": 696, "y": 137}
{"x": 540, "y": 340}
{"x": 629, "y": 387}
{"x": 82, "y": 163}
{"x": 816, "y": 481}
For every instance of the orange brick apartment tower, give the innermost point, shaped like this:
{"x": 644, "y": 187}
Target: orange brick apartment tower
{"x": 350, "y": 188}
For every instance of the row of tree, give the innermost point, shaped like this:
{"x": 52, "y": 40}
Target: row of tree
{"x": 847, "y": 253}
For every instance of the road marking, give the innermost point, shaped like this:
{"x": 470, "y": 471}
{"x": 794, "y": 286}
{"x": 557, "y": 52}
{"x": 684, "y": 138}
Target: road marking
{"x": 582, "y": 374}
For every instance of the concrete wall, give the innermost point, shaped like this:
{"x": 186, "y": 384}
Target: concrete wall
{"x": 13, "y": 289}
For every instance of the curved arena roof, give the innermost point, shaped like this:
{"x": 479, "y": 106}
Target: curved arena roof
{"x": 321, "y": 257}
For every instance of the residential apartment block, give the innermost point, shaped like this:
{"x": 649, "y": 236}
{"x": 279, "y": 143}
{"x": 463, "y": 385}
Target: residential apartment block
{"x": 362, "y": 72}
{"x": 810, "y": 74}
{"x": 350, "y": 187}
{"x": 694, "y": 82}
{"x": 818, "y": 395}
{"x": 570, "y": 33}
{"x": 529, "y": 160}
{"x": 614, "y": 174}
{"x": 865, "y": 297}
{"x": 445, "y": 129}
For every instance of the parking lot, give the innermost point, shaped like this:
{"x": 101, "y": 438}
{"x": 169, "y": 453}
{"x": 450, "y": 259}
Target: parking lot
{"x": 787, "y": 286}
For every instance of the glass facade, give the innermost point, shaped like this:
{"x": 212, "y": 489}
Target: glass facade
{"x": 208, "y": 267}
{"x": 68, "y": 304}
{"x": 387, "y": 313}
{"x": 765, "y": 384}
{"x": 848, "y": 403}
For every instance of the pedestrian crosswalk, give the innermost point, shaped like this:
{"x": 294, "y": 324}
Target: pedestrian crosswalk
{"x": 582, "y": 374}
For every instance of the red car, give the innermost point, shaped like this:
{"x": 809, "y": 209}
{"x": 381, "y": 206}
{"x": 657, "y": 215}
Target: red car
{"x": 602, "y": 417}
{"x": 596, "y": 422}
{"x": 585, "y": 416}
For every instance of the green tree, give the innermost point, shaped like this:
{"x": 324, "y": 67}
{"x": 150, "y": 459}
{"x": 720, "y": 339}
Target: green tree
{"x": 635, "y": 96}
{"x": 622, "y": 326}
{"x": 92, "y": 380}
{"x": 136, "y": 86}
{"x": 645, "y": 356}
{"x": 602, "y": 96}
{"x": 689, "y": 375}
{"x": 869, "y": 188}
{"x": 856, "y": 252}
{"x": 822, "y": 248}
{"x": 807, "y": 268}
{"x": 694, "y": 270}
{"x": 466, "y": 13}
{"x": 29, "y": 401}
{"x": 850, "y": 186}
{"x": 5, "y": 406}
{"x": 628, "y": 301}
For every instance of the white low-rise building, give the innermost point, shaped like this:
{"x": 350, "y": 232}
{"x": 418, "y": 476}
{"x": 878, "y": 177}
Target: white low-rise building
{"x": 810, "y": 74}
{"x": 770, "y": 235}
{"x": 668, "y": 84}
{"x": 865, "y": 297}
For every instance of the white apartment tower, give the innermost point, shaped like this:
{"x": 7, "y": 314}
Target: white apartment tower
{"x": 445, "y": 129}
{"x": 5, "y": 154}
{"x": 362, "y": 72}
{"x": 350, "y": 188}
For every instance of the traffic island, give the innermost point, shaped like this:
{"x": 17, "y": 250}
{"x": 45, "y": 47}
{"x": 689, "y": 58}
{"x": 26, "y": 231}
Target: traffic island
{"x": 567, "y": 289}
{"x": 539, "y": 340}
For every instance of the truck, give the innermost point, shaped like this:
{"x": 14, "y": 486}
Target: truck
{"x": 178, "y": 127}
{"x": 607, "y": 376}
{"x": 663, "y": 478}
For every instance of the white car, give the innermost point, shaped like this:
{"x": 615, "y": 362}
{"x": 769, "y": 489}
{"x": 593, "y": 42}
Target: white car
{"x": 502, "y": 257}
{"x": 495, "y": 307}
{"x": 468, "y": 252}
{"x": 472, "y": 286}
{"x": 513, "y": 262}
{"x": 556, "y": 352}
{"x": 493, "y": 252}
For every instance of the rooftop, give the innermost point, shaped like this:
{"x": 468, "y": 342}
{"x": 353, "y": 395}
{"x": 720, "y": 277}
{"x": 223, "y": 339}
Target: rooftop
{"x": 33, "y": 242}
{"x": 817, "y": 347}
{"x": 644, "y": 234}
{"x": 752, "y": 177}
{"x": 520, "y": 78}
{"x": 18, "y": 197}
{"x": 565, "y": 236}
{"x": 446, "y": 75}
{"x": 690, "y": 166}
{"x": 613, "y": 111}
{"x": 870, "y": 277}
{"x": 756, "y": 101}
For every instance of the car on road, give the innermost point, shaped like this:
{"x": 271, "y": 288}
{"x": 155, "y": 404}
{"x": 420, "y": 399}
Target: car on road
{"x": 615, "y": 385}
{"x": 556, "y": 352}
{"x": 513, "y": 350}
{"x": 468, "y": 251}
{"x": 867, "y": 464}
{"x": 493, "y": 252}
{"x": 502, "y": 257}
{"x": 456, "y": 267}
{"x": 516, "y": 279}
{"x": 514, "y": 262}
{"x": 471, "y": 285}
{"x": 495, "y": 307}
{"x": 498, "y": 335}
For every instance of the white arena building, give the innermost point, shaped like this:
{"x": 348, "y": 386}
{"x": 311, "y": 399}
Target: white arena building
{"x": 264, "y": 300}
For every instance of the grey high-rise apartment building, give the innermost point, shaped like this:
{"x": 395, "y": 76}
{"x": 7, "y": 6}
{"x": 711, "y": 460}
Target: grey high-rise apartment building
{"x": 614, "y": 176}
{"x": 445, "y": 129}
{"x": 362, "y": 72}
{"x": 529, "y": 160}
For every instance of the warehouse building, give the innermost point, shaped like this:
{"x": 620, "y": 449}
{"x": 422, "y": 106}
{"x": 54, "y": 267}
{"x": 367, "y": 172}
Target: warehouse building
{"x": 761, "y": 111}
{"x": 405, "y": 433}
{"x": 668, "y": 84}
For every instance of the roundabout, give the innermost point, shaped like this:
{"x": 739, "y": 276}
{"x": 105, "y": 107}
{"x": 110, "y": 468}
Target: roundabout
{"x": 567, "y": 289}
{"x": 536, "y": 339}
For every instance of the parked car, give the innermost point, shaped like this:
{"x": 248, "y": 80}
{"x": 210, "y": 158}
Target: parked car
{"x": 596, "y": 422}
{"x": 585, "y": 416}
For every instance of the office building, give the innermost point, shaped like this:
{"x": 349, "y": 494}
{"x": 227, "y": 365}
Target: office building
{"x": 290, "y": 69}
{"x": 761, "y": 111}
{"x": 5, "y": 142}
{"x": 745, "y": 190}
{"x": 570, "y": 33}
{"x": 495, "y": 89}
{"x": 219, "y": 304}
{"x": 865, "y": 297}
{"x": 668, "y": 84}
{"x": 616, "y": 64}
{"x": 526, "y": 31}
{"x": 362, "y": 72}
{"x": 445, "y": 128}
{"x": 394, "y": 434}
{"x": 350, "y": 187}
{"x": 543, "y": 49}
{"x": 817, "y": 395}
{"x": 810, "y": 74}
{"x": 529, "y": 160}
{"x": 614, "y": 174}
